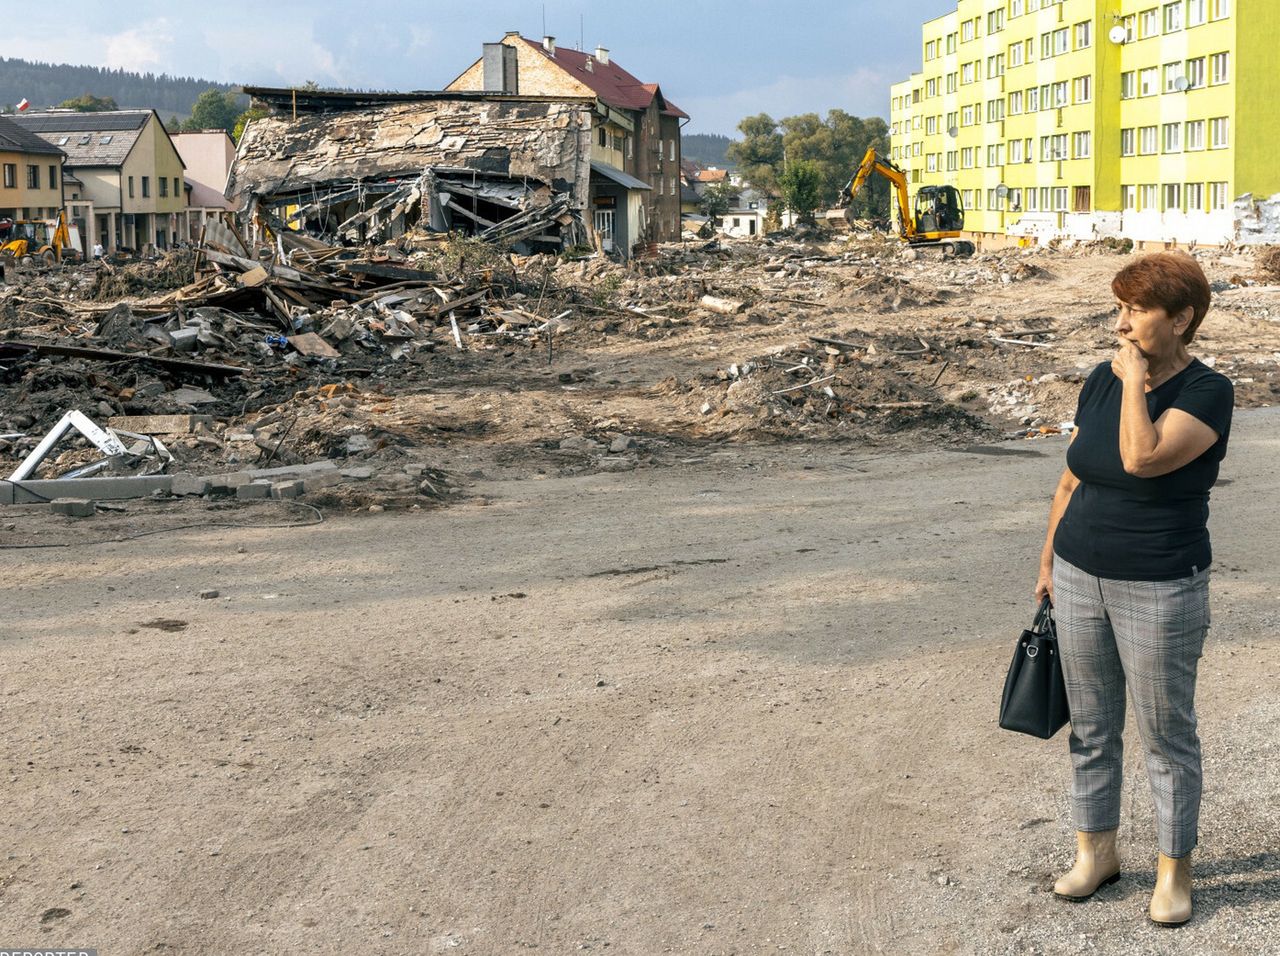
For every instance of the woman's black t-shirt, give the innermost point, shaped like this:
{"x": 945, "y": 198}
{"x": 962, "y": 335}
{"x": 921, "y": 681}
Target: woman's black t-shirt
{"x": 1121, "y": 526}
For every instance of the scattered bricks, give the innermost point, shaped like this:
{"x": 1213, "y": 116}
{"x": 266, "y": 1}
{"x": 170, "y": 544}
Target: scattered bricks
{"x": 208, "y": 595}
{"x": 253, "y": 490}
{"x": 159, "y": 424}
{"x": 228, "y": 484}
{"x": 287, "y": 489}
{"x": 414, "y": 471}
{"x": 360, "y": 474}
{"x": 184, "y": 484}
{"x": 73, "y": 507}
{"x": 184, "y": 340}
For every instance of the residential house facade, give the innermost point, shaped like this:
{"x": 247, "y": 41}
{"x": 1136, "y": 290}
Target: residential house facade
{"x": 635, "y": 159}
{"x": 31, "y": 187}
{"x": 129, "y": 172}
{"x": 207, "y": 155}
{"x": 1085, "y": 118}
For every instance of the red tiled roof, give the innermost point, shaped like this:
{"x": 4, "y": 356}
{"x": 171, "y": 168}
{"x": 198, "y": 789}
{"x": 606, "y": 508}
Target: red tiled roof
{"x": 712, "y": 175}
{"x": 610, "y": 82}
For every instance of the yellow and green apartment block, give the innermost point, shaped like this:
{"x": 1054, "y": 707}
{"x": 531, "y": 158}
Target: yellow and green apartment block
{"x": 1083, "y": 119}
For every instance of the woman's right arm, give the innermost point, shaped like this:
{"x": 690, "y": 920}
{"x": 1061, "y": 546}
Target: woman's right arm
{"x": 1066, "y": 487}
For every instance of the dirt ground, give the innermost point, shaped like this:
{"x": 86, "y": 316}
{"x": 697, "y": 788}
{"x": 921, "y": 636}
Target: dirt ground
{"x": 741, "y": 704}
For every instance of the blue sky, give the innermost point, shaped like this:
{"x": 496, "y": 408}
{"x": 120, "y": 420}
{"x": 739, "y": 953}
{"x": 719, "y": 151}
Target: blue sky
{"x": 719, "y": 60}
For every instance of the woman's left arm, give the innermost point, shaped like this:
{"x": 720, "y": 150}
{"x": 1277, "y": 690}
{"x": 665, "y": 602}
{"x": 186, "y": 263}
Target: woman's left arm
{"x": 1150, "y": 449}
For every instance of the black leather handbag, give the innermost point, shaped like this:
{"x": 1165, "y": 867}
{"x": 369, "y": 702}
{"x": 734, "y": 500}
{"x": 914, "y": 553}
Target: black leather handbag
{"x": 1035, "y": 698}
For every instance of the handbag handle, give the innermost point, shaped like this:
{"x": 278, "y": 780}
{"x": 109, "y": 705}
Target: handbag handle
{"x": 1043, "y": 616}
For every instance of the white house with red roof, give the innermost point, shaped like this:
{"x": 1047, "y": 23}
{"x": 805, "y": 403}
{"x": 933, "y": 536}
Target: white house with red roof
{"x": 635, "y": 134}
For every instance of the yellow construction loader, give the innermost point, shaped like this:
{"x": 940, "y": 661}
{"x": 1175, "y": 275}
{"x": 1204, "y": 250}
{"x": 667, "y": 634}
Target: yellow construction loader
{"x": 34, "y": 241}
{"x": 939, "y": 212}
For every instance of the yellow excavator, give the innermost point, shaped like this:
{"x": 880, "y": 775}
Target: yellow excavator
{"x": 32, "y": 241}
{"x": 939, "y": 211}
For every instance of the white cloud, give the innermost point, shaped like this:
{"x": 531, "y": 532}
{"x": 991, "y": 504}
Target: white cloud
{"x": 141, "y": 49}
{"x": 864, "y": 92}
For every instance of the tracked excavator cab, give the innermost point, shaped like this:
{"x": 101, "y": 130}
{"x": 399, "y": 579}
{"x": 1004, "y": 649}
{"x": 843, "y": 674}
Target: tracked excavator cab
{"x": 939, "y": 209}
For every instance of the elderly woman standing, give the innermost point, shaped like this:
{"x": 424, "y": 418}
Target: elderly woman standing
{"x": 1126, "y": 563}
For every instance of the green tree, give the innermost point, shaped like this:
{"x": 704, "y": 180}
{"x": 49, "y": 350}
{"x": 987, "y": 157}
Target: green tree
{"x": 173, "y": 124}
{"x": 253, "y": 113}
{"x": 88, "y": 103}
{"x": 835, "y": 146}
{"x": 758, "y": 155}
{"x": 801, "y": 186}
{"x": 214, "y": 110}
{"x": 716, "y": 201}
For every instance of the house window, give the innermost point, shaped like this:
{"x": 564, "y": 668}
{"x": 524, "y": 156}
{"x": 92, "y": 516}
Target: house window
{"x": 10, "y": 175}
{"x": 130, "y": 187}
{"x": 1149, "y": 196}
{"x": 1148, "y": 81}
{"x": 1218, "y": 133}
{"x": 1193, "y": 193}
{"x": 1148, "y": 140}
{"x": 1219, "y": 65}
{"x": 1128, "y": 198}
{"x": 1084, "y": 35}
{"x": 1195, "y": 73}
{"x": 146, "y": 187}
{"x": 1195, "y": 135}
{"x": 1081, "y": 143}
{"x": 671, "y": 150}
{"x": 53, "y": 177}
{"x": 1128, "y": 84}
{"x": 603, "y": 136}
{"x": 1082, "y": 89}
{"x": 1217, "y": 196}
{"x": 164, "y": 187}
{"x": 33, "y": 177}
{"x": 1195, "y": 13}
{"x": 1173, "y": 197}
{"x": 1173, "y": 137}
{"x": 1173, "y": 16}
{"x": 1081, "y": 199}
{"x": 177, "y": 187}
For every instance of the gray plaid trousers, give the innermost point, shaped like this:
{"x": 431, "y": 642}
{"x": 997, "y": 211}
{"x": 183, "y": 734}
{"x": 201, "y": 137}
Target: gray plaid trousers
{"x": 1148, "y": 635}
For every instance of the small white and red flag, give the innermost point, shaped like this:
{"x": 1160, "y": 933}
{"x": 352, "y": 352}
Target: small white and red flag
{"x": 23, "y": 104}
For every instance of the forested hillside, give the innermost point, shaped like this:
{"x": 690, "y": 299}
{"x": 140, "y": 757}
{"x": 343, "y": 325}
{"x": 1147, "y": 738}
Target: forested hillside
{"x": 48, "y": 84}
{"x": 705, "y": 149}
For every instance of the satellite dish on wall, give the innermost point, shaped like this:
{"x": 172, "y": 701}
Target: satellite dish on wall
{"x": 1118, "y": 34}
{"x": 1002, "y": 191}
{"x": 953, "y": 131}
{"x": 1181, "y": 84}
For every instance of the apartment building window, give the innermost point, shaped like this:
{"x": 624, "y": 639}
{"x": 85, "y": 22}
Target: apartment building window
{"x": 1128, "y": 85}
{"x": 931, "y": 126}
{"x": 603, "y": 137}
{"x": 1084, "y": 34}
{"x": 146, "y": 186}
{"x": 671, "y": 150}
{"x": 1173, "y": 197}
{"x": 1195, "y": 135}
{"x": 1033, "y": 100}
{"x": 1149, "y": 23}
{"x": 130, "y": 187}
{"x": 1128, "y": 198}
{"x": 930, "y": 50}
{"x": 1015, "y": 151}
{"x": 1219, "y": 67}
{"x": 951, "y": 43}
{"x": 931, "y": 88}
{"x": 917, "y": 148}
{"x": 1148, "y": 140}
{"x": 993, "y": 201}
{"x": 966, "y": 197}
{"x": 1015, "y": 54}
{"x": 1028, "y": 50}
{"x": 10, "y": 175}
{"x": 1195, "y": 73}
{"x": 1081, "y": 144}
{"x": 1148, "y": 81}
{"x": 1193, "y": 194}
{"x": 1015, "y": 103}
{"x": 1053, "y": 148}
{"x": 177, "y": 189}
{"x": 995, "y": 111}
{"x": 53, "y": 177}
{"x": 1060, "y": 93}
{"x": 1033, "y": 204}
{"x": 1171, "y": 73}
{"x": 1195, "y": 13}
{"x": 966, "y": 158}
{"x": 1081, "y": 199}
{"x": 995, "y": 21}
{"x": 1173, "y": 16}
{"x": 1053, "y": 43}
{"x": 995, "y": 154}
{"x": 966, "y": 31}
{"x": 1149, "y": 196}
{"x": 966, "y": 116}
{"x": 951, "y": 120}
{"x": 1217, "y": 196}
{"x": 966, "y": 73}
{"x": 163, "y": 183}
{"x": 1219, "y": 9}
{"x": 995, "y": 66}
{"x": 1028, "y": 150}
{"x": 1130, "y": 24}
{"x": 952, "y": 160}
{"x": 931, "y": 164}
{"x": 977, "y": 112}
{"x": 33, "y": 177}
{"x": 1015, "y": 200}
{"x": 1127, "y": 141}
{"x": 1060, "y": 199}
{"x": 1015, "y": 8}
{"x": 1218, "y": 133}
{"x": 1082, "y": 89}
{"x": 952, "y": 82}
{"x": 1173, "y": 137}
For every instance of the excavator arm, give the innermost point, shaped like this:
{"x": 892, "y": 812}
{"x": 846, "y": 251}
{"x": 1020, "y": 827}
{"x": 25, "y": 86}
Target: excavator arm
{"x": 871, "y": 164}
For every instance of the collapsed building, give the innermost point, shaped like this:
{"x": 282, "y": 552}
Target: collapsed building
{"x": 358, "y": 167}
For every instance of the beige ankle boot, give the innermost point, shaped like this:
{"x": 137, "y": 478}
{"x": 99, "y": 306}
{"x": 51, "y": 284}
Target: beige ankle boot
{"x": 1171, "y": 902}
{"x": 1097, "y": 864}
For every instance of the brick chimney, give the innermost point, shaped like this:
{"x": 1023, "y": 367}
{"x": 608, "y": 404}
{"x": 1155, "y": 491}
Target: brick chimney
{"x": 549, "y": 44}
{"x": 602, "y": 55}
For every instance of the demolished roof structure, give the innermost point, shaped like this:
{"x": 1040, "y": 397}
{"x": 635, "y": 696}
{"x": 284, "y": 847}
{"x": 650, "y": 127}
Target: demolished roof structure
{"x": 370, "y": 166}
